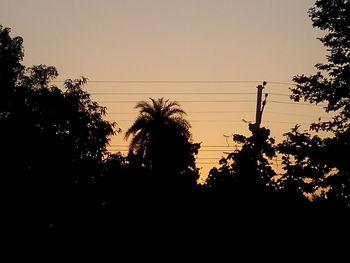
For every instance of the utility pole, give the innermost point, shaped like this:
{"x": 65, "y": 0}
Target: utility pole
{"x": 259, "y": 107}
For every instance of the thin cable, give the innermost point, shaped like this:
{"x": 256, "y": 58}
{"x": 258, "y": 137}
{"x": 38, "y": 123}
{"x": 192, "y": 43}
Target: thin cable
{"x": 207, "y": 158}
{"x": 230, "y": 111}
{"x": 216, "y": 121}
{"x": 126, "y": 145}
{"x": 294, "y": 114}
{"x": 219, "y": 101}
{"x": 190, "y": 112}
{"x": 294, "y": 103}
{"x": 182, "y": 101}
{"x": 181, "y": 81}
{"x": 218, "y": 151}
{"x": 182, "y": 93}
{"x": 173, "y": 93}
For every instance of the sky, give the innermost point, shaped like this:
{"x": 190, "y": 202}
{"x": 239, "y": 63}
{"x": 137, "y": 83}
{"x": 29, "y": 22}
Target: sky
{"x": 242, "y": 41}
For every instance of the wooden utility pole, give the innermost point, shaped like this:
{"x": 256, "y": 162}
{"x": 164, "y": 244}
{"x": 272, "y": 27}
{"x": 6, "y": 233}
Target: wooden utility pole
{"x": 259, "y": 107}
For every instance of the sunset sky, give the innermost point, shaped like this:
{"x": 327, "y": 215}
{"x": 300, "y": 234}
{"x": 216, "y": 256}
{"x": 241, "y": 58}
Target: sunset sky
{"x": 179, "y": 46}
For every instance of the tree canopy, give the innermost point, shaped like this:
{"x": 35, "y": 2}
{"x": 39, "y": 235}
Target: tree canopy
{"x": 324, "y": 161}
{"x": 331, "y": 84}
{"x": 162, "y": 139}
{"x": 52, "y": 139}
{"x": 11, "y": 55}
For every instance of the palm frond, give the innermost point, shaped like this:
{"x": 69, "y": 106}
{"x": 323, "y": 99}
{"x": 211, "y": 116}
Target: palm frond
{"x": 148, "y": 111}
{"x": 157, "y": 104}
{"x": 138, "y": 140}
{"x": 174, "y": 111}
{"x": 169, "y": 105}
{"x": 181, "y": 122}
{"x": 160, "y": 121}
{"x": 142, "y": 105}
{"x": 140, "y": 123}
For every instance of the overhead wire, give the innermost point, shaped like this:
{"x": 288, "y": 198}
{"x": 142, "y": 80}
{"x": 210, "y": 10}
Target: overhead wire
{"x": 231, "y": 111}
{"x": 212, "y": 148}
{"x": 227, "y": 121}
{"x": 183, "y": 93}
{"x": 217, "y": 101}
{"x": 182, "y": 81}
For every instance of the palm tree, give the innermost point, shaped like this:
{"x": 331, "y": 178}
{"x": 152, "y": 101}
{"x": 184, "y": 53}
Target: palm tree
{"x": 161, "y": 138}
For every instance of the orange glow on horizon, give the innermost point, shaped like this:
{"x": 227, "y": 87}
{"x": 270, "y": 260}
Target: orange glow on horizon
{"x": 179, "y": 40}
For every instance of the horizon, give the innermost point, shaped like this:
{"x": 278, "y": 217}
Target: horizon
{"x": 185, "y": 51}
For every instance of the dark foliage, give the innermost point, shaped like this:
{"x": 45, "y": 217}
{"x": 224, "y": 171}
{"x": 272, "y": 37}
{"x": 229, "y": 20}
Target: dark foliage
{"x": 163, "y": 142}
{"x": 52, "y": 141}
{"x": 245, "y": 175}
{"x": 11, "y": 55}
{"x": 314, "y": 165}
{"x": 331, "y": 84}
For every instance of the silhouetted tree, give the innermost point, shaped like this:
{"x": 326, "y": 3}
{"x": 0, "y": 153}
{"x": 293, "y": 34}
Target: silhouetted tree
{"x": 305, "y": 160}
{"x": 123, "y": 181}
{"x": 161, "y": 138}
{"x": 246, "y": 173}
{"x": 53, "y": 141}
{"x": 330, "y": 84}
{"x": 11, "y": 55}
{"x": 324, "y": 161}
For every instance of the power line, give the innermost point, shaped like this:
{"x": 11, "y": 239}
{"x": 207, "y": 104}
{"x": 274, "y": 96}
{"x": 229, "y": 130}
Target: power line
{"x": 218, "y": 101}
{"x": 219, "y": 121}
{"x": 197, "y": 120}
{"x": 230, "y": 111}
{"x": 201, "y": 150}
{"x": 182, "y": 93}
{"x": 172, "y": 93}
{"x": 218, "y": 158}
{"x": 208, "y": 158}
{"x": 181, "y": 81}
{"x": 190, "y": 112}
{"x": 294, "y": 103}
{"x": 126, "y": 145}
{"x": 206, "y": 146}
{"x": 182, "y": 101}
{"x": 223, "y": 146}
{"x": 294, "y": 114}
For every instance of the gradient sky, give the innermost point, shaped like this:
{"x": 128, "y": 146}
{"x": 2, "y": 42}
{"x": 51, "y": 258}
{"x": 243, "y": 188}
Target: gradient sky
{"x": 214, "y": 40}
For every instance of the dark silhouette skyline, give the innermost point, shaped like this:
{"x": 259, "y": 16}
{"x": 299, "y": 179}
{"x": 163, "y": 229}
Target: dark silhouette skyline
{"x": 58, "y": 175}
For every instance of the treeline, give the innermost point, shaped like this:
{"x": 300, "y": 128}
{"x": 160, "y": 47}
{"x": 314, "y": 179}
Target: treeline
{"x": 57, "y": 173}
